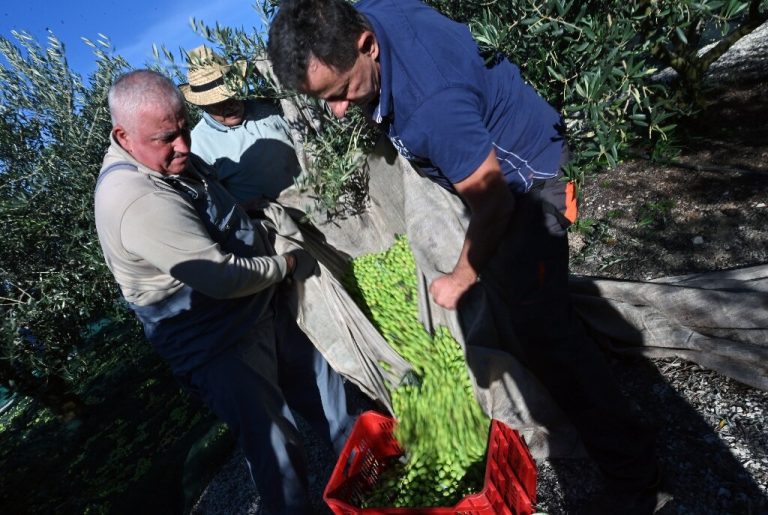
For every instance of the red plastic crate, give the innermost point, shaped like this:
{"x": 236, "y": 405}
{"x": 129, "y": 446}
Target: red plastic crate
{"x": 510, "y": 472}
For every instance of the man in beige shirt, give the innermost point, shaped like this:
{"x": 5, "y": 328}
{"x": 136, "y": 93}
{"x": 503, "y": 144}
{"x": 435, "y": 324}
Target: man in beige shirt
{"x": 204, "y": 280}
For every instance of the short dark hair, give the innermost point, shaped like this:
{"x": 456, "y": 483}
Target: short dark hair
{"x": 325, "y": 29}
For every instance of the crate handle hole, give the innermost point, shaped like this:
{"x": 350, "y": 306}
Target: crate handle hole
{"x": 348, "y": 464}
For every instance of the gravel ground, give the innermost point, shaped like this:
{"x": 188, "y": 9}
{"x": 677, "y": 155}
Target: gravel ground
{"x": 712, "y": 442}
{"x": 712, "y": 431}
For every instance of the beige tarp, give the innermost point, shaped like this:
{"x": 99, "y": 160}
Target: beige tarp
{"x": 718, "y": 320}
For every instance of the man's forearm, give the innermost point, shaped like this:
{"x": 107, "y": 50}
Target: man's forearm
{"x": 484, "y": 233}
{"x": 491, "y": 205}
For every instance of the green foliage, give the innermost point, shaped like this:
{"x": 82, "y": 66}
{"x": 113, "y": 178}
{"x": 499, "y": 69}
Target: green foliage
{"x": 336, "y": 149}
{"x": 595, "y": 59}
{"x": 582, "y": 57}
{"x": 584, "y": 226}
{"x": 127, "y": 456}
{"x": 53, "y": 281}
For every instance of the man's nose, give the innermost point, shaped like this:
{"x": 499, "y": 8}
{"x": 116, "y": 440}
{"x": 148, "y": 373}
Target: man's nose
{"x": 339, "y": 107}
{"x": 182, "y": 144}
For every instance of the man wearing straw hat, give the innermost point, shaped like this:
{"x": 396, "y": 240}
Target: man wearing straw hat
{"x": 247, "y": 141}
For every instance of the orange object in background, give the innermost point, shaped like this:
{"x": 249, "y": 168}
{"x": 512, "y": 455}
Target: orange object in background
{"x": 571, "y": 207}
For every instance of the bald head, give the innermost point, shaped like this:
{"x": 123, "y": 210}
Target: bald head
{"x": 140, "y": 90}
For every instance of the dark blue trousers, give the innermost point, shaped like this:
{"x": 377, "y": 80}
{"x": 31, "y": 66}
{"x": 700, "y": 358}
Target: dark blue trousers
{"x": 255, "y": 386}
{"x": 529, "y": 276}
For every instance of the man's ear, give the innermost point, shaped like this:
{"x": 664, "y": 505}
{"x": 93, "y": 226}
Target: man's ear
{"x": 118, "y": 132}
{"x": 368, "y": 45}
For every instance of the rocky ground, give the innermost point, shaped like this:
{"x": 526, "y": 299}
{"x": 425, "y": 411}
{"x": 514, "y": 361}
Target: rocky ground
{"x": 705, "y": 210}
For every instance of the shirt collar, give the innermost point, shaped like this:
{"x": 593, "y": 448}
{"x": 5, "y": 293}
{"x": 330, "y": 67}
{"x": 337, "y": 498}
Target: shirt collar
{"x": 248, "y": 116}
{"x": 384, "y": 107}
{"x": 215, "y": 124}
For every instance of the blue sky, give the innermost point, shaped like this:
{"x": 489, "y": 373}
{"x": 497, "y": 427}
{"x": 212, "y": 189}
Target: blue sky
{"x": 132, "y": 26}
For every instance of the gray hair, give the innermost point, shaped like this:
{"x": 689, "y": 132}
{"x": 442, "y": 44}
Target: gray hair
{"x": 139, "y": 89}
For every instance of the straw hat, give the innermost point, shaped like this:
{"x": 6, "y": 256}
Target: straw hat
{"x": 210, "y": 78}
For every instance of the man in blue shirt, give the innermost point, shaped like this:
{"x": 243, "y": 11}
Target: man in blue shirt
{"x": 481, "y": 132}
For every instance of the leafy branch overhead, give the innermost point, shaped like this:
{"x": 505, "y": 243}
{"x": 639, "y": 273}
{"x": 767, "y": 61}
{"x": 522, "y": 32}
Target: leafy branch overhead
{"x": 597, "y": 61}
{"x": 53, "y": 132}
{"x": 677, "y": 31}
